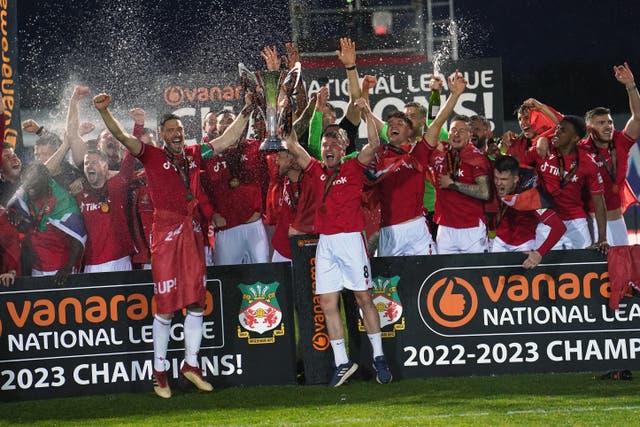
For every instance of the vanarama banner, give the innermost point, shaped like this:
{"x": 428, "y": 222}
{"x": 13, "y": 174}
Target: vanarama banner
{"x": 484, "y": 314}
{"x": 192, "y": 97}
{"x": 9, "y": 84}
{"x": 94, "y": 335}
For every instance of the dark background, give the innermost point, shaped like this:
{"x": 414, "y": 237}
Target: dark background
{"x": 560, "y": 52}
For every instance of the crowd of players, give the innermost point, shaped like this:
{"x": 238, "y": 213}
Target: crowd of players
{"x": 412, "y": 189}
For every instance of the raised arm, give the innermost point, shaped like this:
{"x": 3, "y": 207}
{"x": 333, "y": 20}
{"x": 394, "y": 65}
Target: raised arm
{"x": 101, "y": 102}
{"x": 368, "y": 152}
{"x": 625, "y": 76}
{"x": 457, "y": 85}
{"x": 302, "y": 122}
{"x": 302, "y": 104}
{"x": 53, "y": 163}
{"x": 315, "y": 125}
{"x": 76, "y": 143}
{"x": 237, "y": 129}
{"x": 299, "y": 153}
{"x": 347, "y": 55}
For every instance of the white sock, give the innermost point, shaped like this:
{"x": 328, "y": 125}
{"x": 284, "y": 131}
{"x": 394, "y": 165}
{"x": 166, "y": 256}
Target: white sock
{"x": 161, "y": 333}
{"x": 192, "y": 336}
{"x": 339, "y": 352}
{"x": 376, "y": 344}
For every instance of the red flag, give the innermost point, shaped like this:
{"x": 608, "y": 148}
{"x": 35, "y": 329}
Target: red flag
{"x": 624, "y": 272}
{"x": 543, "y": 125}
{"x": 628, "y": 197}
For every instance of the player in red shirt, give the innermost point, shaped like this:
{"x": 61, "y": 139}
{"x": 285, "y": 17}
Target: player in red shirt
{"x": 516, "y": 226}
{"x": 103, "y": 203}
{"x": 568, "y": 172}
{"x": 296, "y": 206}
{"x": 519, "y": 146}
{"x": 400, "y": 170}
{"x": 177, "y": 265}
{"x": 463, "y": 176}
{"x": 49, "y": 217}
{"x": 611, "y": 152}
{"x": 341, "y": 256}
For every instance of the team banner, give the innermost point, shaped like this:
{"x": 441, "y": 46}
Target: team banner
{"x": 484, "y": 314}
{"x": 314, "y": 343}
{"x": 94, "y": 335}
{"x": 398, "y": 84}
{"x": 9, "y": 84}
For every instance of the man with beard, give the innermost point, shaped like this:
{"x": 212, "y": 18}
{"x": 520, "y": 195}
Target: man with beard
{"x": 178, "y": 264}
{"x": 610, "y": 148}
{"x": 463, "y": 187}
{"x": 103, "y": 203}
{"x": 516, "y": 223}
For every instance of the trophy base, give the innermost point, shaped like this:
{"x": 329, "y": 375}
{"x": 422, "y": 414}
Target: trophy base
{"x": 273, "y": 144}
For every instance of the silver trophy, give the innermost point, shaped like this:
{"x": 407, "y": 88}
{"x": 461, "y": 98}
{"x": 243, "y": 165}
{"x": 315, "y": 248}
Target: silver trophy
{"x": 275, "y": 102}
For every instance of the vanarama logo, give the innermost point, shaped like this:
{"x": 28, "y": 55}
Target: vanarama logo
{"x": 452, "y": 302}
{"x": 320, "y": 340}
{"x": 506, "y": 299}
{"x": 260, "y": 312}
{"x": 177, "y": 95}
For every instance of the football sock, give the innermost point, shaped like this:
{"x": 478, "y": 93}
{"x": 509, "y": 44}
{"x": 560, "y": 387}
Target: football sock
{"x": 161, "y": 332}
{"x": 339, "y": 352}
{"x": 376, "y": 344}
{"x": 192, "y": 337}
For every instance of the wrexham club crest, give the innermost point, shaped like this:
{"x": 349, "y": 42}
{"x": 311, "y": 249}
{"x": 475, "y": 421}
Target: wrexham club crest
{"x": 387, "y": 302}
{"x": 260, "y": 313}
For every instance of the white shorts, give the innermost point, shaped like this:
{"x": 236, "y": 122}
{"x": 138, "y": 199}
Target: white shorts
{"x": 462, "y": 240}
{"x": 35, "y": 272}
{"x": 342, "y": 263}
{"x": 577, "y": 235}
{"x": 122, "y": 264}
{"x": 499, "y": 245}
{"x": 278, "y": 257}
{"x": 242, "y": 244}
{"x": 617, "y": 234}
{"x": 408, "y": 238}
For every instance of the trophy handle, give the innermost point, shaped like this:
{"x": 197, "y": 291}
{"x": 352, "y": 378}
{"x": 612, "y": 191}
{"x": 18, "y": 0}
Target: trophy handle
{"x": 248, "y": 78}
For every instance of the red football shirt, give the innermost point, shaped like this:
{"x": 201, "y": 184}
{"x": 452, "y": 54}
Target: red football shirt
{"x": 580, "y": 174}
{"x": 296, "y": 207}
{"x": 454, "y": 209}
{"x": 168, "y": 192}
{"x": 247, "y": 165}
{"x": 108, "y": 236}
{"x": 619, "y": 149}
{"x": 401, "y": 191}
{"x": 341, "y": 211}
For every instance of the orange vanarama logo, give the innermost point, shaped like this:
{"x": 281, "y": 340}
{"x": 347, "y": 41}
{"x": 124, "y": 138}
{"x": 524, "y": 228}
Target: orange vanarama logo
{"x": 452, "y": 302}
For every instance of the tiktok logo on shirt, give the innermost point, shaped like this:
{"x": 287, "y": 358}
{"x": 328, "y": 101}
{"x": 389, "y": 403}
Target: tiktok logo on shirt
{"x": 90, "y": 206}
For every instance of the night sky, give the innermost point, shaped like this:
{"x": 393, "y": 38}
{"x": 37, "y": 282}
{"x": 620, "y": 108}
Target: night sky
{"x": 560, "y": 52}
